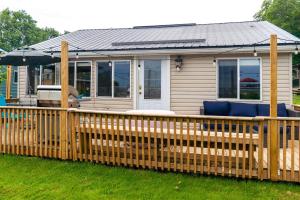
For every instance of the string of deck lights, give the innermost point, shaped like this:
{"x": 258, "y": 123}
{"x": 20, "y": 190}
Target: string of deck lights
{"x": 179, "y": 59}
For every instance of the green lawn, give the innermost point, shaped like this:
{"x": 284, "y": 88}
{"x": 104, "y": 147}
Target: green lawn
{"x": 35, "y": 178}
{"x": 296, "y": 99}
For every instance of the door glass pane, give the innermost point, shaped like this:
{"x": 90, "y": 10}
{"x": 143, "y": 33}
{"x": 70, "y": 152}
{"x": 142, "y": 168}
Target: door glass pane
{"x": 48, "y": 75}
{"x": 152, "y": 79}
{"x": 83, "y": 80}
{"x": 104, "y": 86}
{"x": 122, "y": 79}
{"x": 250, "y": 79}
{"x": 227, "y": 78}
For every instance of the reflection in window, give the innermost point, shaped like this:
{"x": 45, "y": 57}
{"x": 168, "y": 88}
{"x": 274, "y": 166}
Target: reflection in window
{"x": 104, "y": 79}
{"x": 83, "y": 78}
{"x": 71, "y": 74}
{"x": 33, "y": 79}
{"x": 227, "y": 78}
{"x": 249, "y": 79}
{"x": 122, "y": 79}
{"x": 152, "y": 79}
{"x": 48, "y": 75}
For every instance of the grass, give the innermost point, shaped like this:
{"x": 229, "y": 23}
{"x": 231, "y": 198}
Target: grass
{"x": 296, "y": 99}
{"x": 36, "y": 178}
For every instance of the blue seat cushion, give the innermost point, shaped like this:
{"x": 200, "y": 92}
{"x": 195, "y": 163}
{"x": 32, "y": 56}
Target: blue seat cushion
{"x": 243, "y": 109}
{"x": 264, "y": 110}
{"x": 2, "y": 101}
{"x": 220, "y": 108}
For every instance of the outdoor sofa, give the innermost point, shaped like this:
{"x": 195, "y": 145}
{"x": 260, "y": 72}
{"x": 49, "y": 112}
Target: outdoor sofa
{"x": 236, "y": 109}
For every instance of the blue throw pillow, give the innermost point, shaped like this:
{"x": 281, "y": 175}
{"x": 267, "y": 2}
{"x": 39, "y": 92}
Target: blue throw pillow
{"x": 243, "y": 109}
{"x": 264, "y": 110}
{"x": 220, "y": 108}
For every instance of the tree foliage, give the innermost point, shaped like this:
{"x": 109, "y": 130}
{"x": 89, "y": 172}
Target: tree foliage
{"x": 17, "y": 28}
{"x": 283, "y": 13}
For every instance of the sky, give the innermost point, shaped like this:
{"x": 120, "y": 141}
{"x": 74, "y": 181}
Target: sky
{"x": 71, "y": 15}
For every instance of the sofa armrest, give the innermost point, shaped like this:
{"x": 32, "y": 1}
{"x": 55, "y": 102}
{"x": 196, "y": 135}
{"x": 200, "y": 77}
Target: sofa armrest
{"x": 293, "y": 113}
{"x": 201, "y": 110}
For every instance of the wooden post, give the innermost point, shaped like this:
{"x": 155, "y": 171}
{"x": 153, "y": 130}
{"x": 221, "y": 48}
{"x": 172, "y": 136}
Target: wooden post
{"x": 64, "y": 70}
{"x": 8, "y": 82}
{"x": 273, "y": 110}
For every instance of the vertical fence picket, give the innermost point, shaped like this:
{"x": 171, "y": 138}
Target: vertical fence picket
{"x": 175, "y": 144}
{"x": 5, "y": 130}
{"x": 130, "y": 141}
{"x": 9, "y": 130}
{"x": 215, "y": 147}
{"x": 118, "y": 140}
{"x": 201, "y": 126}
{"x": 101, "y": 138}
{"x": 244, "y": 151}
{"x": 96, "y": 137}
{"x": 112, "y": 133}
{"x": 223, "y": 148}
{"x": 13, "y": 131}
{"x": 155, "y": 143}
{"x": 124, "y": 133}
{"x": 230, "y": 148}
{"x": 284, "y": 150}
{"x": 90, "y": 138}
{"x": 237, "y": 149}
{"x": 292, "y": 150}
{"x": 149, "y": 143}
{"x": 208, "y": 147}
{"x": 188, "y": 144}
{"x": 168, "y": 144}
{"x": 143, "y": 141}
{"x": 195, "y": 146}
{"x": 251, "y": 153}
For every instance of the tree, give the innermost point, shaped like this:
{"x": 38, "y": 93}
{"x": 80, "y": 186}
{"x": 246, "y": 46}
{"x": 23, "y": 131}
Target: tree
{"x": 283, "y": 13}
{"x": 17, "y": 29}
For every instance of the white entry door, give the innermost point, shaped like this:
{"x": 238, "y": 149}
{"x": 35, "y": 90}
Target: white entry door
{"x": 154, "y": 84}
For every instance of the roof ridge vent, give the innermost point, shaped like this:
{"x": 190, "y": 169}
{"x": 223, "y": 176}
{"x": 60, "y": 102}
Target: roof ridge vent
{"x": 164, "y": 26}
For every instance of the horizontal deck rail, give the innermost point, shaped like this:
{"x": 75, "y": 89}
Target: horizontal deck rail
{"x": 213, "y": 145}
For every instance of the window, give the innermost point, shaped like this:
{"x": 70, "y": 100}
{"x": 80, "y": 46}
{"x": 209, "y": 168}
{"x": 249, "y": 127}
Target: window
{"x": 104, "y": 75}
{"x": 33, "y": 79}
{"x": 15, "y": 77}
{"x": 48, "y": 75}
{"x": 122, "y": 79}
{"x": 113, "y": 81}
{"x": 239, "y": 79}
{"x": 80, "y": 77}
{"x": 250, "y": 79}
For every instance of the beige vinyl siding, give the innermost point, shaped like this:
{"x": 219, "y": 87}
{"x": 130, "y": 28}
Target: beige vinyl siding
{"x": 197, "y": 81}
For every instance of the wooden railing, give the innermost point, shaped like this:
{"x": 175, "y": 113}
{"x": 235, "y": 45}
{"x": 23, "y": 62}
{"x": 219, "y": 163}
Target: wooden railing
{"x": 193, "y": 144}
{"x": 226, "y": 146}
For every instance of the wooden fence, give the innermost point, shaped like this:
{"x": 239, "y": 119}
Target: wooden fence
{"x": 226, "y": 146}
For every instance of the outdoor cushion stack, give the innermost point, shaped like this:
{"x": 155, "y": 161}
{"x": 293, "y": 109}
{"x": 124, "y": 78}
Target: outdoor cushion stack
{"x": 226, "y": 108}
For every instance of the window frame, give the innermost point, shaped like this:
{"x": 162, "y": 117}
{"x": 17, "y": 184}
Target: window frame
{"x": 238, "y": 79}
{"x": 75, "y": 74}
{"x": 112, "y": 80}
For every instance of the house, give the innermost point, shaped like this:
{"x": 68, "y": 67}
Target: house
{"x": 168, "y": 67}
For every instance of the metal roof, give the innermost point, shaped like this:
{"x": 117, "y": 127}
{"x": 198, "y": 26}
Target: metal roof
{"x": 176, "y": 36}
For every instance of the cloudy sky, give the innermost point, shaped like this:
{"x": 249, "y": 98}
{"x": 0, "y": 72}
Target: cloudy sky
{"x": 72, "y": 15}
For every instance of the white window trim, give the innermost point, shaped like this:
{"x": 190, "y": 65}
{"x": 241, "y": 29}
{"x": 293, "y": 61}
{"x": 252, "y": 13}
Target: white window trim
{"x": 75, "y": 75}
{"x": 112, "y": 79}
{"x": 238, "y": 79}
